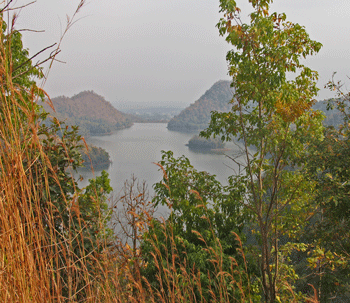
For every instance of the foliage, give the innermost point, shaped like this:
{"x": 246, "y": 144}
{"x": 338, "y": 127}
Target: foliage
{"x": 54, "y": 235}
{"x": 197, "y": 142}
{"x": 271, "y": 115}
{"x": 21, "y": 73}
{"x": 95, "y": 156}
{"x": 204, "y": 220}
{"x": 18, "y": 64}
{"x": 94, "y": 211}
{"x": 328, "y": 164}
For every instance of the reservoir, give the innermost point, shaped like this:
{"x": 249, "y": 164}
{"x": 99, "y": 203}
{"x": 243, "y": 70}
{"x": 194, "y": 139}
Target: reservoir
{"x": 134, "y": 151}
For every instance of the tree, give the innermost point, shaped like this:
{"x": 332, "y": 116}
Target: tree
{"x": 271, "y": 114}
{"x": 200, "y": 233}
{"x": 328, "y": 165}
{"x": 328, "y": 233}
{"x": 133, "y": 215}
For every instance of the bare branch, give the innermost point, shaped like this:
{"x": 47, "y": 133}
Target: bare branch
{"x": 6, "y": 6}
{"x": 39, "y": 52}
{"x": 30, "y": 30}
{"x": 15, "y": 8}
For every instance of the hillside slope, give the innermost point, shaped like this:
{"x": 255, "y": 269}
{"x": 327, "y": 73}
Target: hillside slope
{"x": 333, "y": 116}
{"x": 90, "y": 111}
{"x": 197, "y": 116}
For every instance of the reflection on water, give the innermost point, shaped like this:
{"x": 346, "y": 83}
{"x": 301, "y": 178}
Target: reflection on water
{"x": 136, "y": 149}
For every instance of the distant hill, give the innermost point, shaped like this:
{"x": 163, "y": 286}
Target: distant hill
{"x": 197, "y": 116}
{"x": 91, "y": 112}
{"x": 152, "y": 114}
{"x": 333, "y": 116}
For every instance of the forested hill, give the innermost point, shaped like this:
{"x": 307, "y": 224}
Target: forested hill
{"x": 197, "y": 115}
{"x": 333, "y": 116}
{"x": 91, "y": 112}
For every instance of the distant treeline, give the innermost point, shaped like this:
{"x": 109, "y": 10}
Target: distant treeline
{"x": 152, "y": 114}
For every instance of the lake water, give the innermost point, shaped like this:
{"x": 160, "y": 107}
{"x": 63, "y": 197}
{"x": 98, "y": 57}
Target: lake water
{"x": 134, "y": 150}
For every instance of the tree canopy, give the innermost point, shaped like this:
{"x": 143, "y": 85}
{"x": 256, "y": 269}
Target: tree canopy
{"x": 271, "y": 114}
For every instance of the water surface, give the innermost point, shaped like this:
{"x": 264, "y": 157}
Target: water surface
{"x": 134, "y": 151}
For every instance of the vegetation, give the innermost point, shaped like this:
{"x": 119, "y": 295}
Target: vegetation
{"x": 197, "y": 116}
{"x": 272, "y": 115}
{"x": 53, "y": 234}
{"x": 327, "y": 165}
{"x": 197, "y": 142}
{"x": 152, "y": 114}
{"x": 95, "y": 156}
{"x": 278, "y": 232}
{"x": 205, "y": 219}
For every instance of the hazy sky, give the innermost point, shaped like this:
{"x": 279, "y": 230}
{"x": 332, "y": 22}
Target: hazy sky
{"x": 164, "y": 51}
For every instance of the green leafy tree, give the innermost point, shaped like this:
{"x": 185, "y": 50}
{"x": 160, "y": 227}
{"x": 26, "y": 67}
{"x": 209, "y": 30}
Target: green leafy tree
{"x": 203, "y": 225}
{"x": 271, "y": 114}
{"x": 328, "y": 165}
{"x": 23, "y": 72}
{"x": 20, "y": 81}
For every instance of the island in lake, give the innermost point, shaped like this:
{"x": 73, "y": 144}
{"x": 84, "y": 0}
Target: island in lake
{"x": 202, "y": 144}
{"x": 97, "y": 156}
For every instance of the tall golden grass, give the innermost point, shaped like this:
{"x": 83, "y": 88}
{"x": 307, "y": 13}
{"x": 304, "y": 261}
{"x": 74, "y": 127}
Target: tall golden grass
{"x": 39, "y": 262}
{"x": 26, "y": 270}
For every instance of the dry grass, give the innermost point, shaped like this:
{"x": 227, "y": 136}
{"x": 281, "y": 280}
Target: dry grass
{"x": 38, "y": 260}
{"x": 24, "y": 266}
